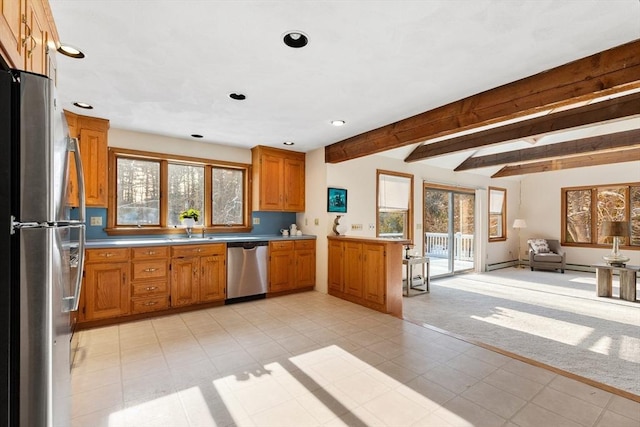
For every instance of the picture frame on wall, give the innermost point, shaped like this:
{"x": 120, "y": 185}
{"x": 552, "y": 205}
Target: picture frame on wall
{"x": 336, "y": 200}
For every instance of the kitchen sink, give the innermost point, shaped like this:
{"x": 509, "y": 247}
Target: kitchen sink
{"x": 216, "y": 239}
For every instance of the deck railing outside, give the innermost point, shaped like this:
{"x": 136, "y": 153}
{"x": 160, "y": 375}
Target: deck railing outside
{"x": 437, "y": 246}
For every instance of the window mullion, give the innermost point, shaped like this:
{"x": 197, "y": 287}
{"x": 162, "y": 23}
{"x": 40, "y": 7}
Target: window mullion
{"x": 208, "y": 196}
{"x": 164, "y": 188}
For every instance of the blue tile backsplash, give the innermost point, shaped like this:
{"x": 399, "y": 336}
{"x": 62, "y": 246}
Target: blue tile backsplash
{"x": 270, "y": 223}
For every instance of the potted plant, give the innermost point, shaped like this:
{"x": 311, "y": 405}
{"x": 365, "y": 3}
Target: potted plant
{"x": 189, "y": 217}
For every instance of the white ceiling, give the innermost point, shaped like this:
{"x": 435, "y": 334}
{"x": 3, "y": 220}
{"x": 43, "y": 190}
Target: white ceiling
{"x": 167, "y": 67}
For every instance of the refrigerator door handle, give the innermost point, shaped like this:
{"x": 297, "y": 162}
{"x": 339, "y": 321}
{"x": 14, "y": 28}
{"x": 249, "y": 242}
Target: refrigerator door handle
{"x": 74, "y": 146}
{"x": 72, "y": 302}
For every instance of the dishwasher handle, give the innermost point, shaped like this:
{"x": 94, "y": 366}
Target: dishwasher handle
{"x": 247, "y": 245}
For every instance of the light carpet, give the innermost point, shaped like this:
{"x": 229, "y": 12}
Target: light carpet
{"x": 553, "y": 318}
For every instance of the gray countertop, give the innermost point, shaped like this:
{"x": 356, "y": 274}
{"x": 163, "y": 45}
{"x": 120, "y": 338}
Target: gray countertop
{"x": 183, "y": 240}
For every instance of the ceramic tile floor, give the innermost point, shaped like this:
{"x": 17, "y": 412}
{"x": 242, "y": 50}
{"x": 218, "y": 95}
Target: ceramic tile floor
{"x": 314, "y": 360}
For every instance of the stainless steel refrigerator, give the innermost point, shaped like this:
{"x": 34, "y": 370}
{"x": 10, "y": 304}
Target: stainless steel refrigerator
{"x": 41, "y": 253}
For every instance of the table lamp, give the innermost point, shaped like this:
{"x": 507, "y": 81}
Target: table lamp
{"x": 617, "y": 230}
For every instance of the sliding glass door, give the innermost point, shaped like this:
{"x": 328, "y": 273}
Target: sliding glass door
{"x": 449, "y": 229}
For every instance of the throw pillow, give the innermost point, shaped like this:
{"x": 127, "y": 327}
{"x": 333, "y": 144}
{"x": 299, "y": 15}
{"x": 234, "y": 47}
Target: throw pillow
{"x": 539, "y": 246}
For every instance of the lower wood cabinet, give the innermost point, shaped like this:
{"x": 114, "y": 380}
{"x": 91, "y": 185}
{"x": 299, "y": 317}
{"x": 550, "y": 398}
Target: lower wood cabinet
{"x": 367, "y": 272}
{"x": 149, "y": 279}
{"x": 106, "y": 284}
{"x": 292, "y": 265}
{"x": 198, "y": 274}
{"x": 132, "y": 281}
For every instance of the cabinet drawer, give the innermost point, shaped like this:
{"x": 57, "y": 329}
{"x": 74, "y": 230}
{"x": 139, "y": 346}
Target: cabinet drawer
{"x": 281, "y": 246}
{"x": 143, "y": 305}
{"x": 305, "y": 244}
{"x": 149, "y": 289}
{"x": 154, "y": 269}
{"x": 198, "y": 250}
{"x": 150, "y": 252}
{"x": 102, "y": 255}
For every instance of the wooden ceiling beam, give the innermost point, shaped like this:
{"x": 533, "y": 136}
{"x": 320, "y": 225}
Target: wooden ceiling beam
{"x": 600, "y": 112}
{"x": 620, "y": 156}
{"x": 610, "y": 71}
{"x": 568, "y": 148}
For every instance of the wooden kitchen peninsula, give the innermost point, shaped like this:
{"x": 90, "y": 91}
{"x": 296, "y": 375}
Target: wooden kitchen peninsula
{"x": 367, "y": 271}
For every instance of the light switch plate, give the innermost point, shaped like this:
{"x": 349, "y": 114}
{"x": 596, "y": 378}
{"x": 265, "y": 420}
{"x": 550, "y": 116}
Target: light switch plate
{"x": 96, "y": 220}
{"x": 256, "y": 221}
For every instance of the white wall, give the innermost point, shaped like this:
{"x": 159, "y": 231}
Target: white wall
{"x": 358, "y": 176}
{"x": 541, "y": 204}
{"x": 183, "y": 147}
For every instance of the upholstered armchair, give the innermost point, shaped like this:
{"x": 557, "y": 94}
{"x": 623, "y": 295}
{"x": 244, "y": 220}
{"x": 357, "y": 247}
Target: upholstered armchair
{"x": 546, "y": 254}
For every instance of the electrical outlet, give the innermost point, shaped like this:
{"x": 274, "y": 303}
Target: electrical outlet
{"x": 316, "y": 221}
{"x": 372, "y": 226}
{"x": 96, "y": 220}
{"x": 256, "y": 221}
{"x": 306, "y": 221}
{"x": 356, "y": 227}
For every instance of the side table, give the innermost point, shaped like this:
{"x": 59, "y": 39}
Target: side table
{"x": 407, "y": 284}
{"x": 604, "y": 279}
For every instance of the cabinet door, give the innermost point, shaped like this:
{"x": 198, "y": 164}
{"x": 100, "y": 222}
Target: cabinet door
{"x": 212, "y": 278}
{"x": 107, "y": 290}
{"x": 93, "y": 149}
{"x": 353, "y": 269}
{"x": 294, "y": 185}
{"x": 11, "y": 31}
{"x": 271, "y": 183}
{"x": 336, "y": 266}
{"x": 184, "y": 281}
{"x": 281, "y": 270}
{"x": 373, "y": 272}
{"x": 305, "y": 253}
{"x": 72, "y": 185}
{"x": 36, "y": 38}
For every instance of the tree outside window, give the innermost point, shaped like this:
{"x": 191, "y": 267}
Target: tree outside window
{"x": 585, "y": 208}
{"x": 151, "y": 190}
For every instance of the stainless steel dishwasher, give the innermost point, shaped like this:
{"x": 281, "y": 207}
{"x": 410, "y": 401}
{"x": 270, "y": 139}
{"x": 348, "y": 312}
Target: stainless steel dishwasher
{"x": 246, "y": 270}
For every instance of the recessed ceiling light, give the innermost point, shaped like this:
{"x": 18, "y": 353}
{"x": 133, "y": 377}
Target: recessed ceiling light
{"x": 196, "y": 135}
{"x": 338, "y": 122}
{"x": 237, "y": 96}
{"x": 83, "y": 105}
{"x": 70, "y": 51}
{"x": 295, "y": 39}
{"x": 288, "y": 143}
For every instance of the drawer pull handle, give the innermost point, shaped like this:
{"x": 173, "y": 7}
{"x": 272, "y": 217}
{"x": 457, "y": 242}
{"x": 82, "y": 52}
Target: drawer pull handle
{"x": 198, "y": 250}
{"x": 150, "y": 270}
{"x": 150, "y": 303}
{"x": 107, "y": 254}
{"x": 151, "y": 252}
{"x": 151, "y": 288}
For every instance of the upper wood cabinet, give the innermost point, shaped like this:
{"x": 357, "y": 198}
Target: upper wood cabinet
{"x": 278, "y": 179}
{"x": 11, "y": 30}
{"x": 28, "y": 37}
{"x": 92, "y": 133}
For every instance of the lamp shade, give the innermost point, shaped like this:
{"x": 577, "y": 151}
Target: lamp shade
{"x": 519, "y": 223}
{"x": 614, "y": 228}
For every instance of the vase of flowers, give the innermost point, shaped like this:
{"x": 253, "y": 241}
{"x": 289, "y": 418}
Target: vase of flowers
{"x": 189, "y": 217}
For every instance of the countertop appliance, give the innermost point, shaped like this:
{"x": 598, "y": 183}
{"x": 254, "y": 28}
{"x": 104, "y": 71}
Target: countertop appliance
{"x": 246, "y": 270}
{"x": 41, "y": 253}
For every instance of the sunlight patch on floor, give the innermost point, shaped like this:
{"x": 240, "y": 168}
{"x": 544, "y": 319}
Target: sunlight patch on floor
{"x": 544, "y": 327}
